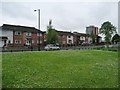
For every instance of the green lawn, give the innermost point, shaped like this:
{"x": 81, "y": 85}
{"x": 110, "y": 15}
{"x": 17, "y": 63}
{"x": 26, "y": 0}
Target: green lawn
{"x": 60, "y": 69}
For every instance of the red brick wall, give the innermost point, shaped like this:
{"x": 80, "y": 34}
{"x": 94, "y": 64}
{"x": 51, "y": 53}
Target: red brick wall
{"x": 75, "y": 40}
{"x": 23, "y": 38}
{"x": 17, "y": 37}
{"x": 62, "y": 40}
{"x": 45, "y": 36}
{"x": 42, "y": 39}
{"x": 59, "y": 39}
{"x": 35, "y": 38}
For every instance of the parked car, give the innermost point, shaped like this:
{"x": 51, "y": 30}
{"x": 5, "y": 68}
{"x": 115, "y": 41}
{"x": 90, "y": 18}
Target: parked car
{"x": 114, "y": 45}
{"x": 51, "y": 47}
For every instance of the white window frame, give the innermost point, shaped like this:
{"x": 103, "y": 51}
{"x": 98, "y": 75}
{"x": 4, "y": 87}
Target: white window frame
{"x": 45, "y": 40}
{"x": 18, "y": 41}
{"x": 39, "y": 34}
{"x": 9, "y": 41}
{"x": 28, "y": 34}
{"x": 33, "y": 41}
{"x": 38, "y": 41}
{"x": 69, "y": 41}
{"x": 69, "y": 36}
{"x": 18, "y": 33}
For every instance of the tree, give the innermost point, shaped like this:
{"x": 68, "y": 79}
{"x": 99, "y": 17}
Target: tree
{"x": 51, "y": 34}
{"x": 116, "y": 38}
{"x": 93, "y": 37}
{"x": 108, "y": 30}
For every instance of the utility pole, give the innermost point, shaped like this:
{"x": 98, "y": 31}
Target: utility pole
{"x": 38, "y": 28}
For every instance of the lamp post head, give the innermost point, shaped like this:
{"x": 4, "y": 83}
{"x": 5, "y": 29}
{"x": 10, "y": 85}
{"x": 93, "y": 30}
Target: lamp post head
{"x": 35, "y": 10}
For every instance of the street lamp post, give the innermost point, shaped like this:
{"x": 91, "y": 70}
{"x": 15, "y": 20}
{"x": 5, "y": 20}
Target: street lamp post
{"x": 38, "y": 28}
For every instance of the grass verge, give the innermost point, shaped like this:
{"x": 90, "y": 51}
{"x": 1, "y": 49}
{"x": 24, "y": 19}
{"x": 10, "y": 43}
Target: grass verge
{"x": 60, "y": 69}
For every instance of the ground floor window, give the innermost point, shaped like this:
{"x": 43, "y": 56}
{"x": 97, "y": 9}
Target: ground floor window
{"x": 32, "y": 41}
{"x": 18, "y": 42}
{"x": 39, "y": 41}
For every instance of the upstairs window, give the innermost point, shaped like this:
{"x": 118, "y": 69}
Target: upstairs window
{"x": 39, "y": 41}
{"x": 28, "y": 33}
{"x": 18, "y": 33}
{"x": 70, "y": 41}
{"x": 69, "y": 36}
{"x": 39, "y": 34}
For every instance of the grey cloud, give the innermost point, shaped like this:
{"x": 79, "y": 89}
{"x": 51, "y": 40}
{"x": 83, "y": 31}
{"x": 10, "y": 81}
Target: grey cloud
{"x": 119, "y": 17}
{"x": 16, "y": 10}
{"x": 65, "y": 16}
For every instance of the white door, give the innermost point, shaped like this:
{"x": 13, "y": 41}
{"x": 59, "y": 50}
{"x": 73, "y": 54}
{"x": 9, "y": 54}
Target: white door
{"x": 1, "y": 43}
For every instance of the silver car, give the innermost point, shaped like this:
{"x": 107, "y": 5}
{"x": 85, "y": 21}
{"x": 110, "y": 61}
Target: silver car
{"x": 51, "y": 47}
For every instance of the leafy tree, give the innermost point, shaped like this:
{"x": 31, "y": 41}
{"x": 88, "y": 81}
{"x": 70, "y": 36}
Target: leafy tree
{"x": 93, "y": 37}
{"x": 108, "y": 30}
{"x": 116, "y": 38}
{"x": 51, "y": 34}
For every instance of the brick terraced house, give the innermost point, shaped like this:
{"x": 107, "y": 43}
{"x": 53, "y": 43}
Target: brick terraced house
{"x": 19, "y": 36}
{"x": 65, "y": 38}
{"x": 80, "y": 38}
{"x": 72, "y": 39}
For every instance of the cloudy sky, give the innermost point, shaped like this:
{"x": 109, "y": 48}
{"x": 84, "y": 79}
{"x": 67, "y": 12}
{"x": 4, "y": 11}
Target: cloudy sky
{"x": 66, "y": 15}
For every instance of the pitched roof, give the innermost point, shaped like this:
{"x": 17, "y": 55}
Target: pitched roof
{"x": 19, "y": 28}
{"x": 91, "y": 26}
{"x": 80, "y": 34}
{"x": 64, "y": 32}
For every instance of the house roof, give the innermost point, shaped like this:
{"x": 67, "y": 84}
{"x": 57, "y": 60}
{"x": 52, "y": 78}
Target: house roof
{"x": 80, "y": 34}
{"x": 64, "y": 32}
{"x": 70, "y": 33}
{"x": 91, "y": 26}
{"x": 19, "y": 28}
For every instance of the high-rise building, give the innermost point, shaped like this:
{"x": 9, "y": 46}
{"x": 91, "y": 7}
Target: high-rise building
{"x": 92, "y": 30}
